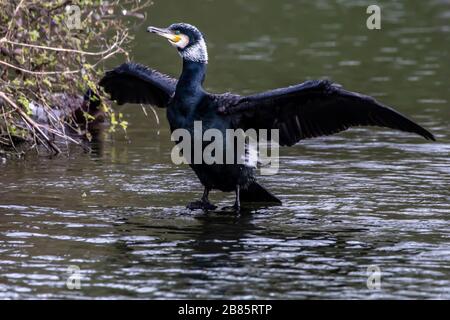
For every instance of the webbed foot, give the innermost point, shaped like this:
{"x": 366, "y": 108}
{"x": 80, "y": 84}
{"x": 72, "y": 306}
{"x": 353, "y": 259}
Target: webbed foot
{"x": 201, "y": 205}
{"x": 235, "y": 208}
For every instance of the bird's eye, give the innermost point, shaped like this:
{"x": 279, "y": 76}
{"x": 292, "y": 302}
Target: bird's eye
{"x": 177, "y": 32}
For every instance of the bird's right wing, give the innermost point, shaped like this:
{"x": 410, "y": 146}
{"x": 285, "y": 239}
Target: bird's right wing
{"x": 315, "y": 108}
{"x": 135, "y": 83}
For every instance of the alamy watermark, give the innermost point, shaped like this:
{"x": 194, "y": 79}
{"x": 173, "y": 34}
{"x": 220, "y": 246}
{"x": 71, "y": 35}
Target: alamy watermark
{"x": 258, "y": 149}
{"x": 373, "y": 277}
{"x": 73, "y": 281}
{"x": 73, "y": 17}
{"x": 374, "y": 20}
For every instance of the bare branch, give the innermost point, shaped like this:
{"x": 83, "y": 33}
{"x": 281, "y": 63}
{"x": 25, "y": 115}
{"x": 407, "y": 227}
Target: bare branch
{"x": 30, "y": 122}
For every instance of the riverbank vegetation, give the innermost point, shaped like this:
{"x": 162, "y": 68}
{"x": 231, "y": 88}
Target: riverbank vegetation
{"x": 52, "y": 55}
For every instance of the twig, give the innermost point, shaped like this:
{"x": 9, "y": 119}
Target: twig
{"x": 50, "y": 10}
{"x": 43, "y": 73}
{"x": 12, "y": 19}
{"x": 38, "y": 73}
{"x": 7, "y": 130}
{"x": 86, "y": 53}
{"x": 108, "y": 56}
{"x": 156, "y": 115}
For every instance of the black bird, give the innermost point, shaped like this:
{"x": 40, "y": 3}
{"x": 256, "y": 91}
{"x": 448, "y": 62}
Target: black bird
{"x": 311, "y": 109}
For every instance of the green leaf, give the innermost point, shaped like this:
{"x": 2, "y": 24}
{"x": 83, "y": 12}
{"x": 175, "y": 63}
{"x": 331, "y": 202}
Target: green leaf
{"x": 34, "y": 35}
{"x": 23, "y": 101}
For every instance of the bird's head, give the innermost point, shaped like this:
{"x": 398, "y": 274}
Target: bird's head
{"x": 187, "y": 39}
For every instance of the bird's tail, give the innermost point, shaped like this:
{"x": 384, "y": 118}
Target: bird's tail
{"x": 257, "y": 193}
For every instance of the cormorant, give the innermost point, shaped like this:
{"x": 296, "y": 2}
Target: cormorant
{"x": 311, "y": 109}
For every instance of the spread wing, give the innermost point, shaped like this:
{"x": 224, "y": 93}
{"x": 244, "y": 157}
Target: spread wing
{"x": 135, "y": 83}
{"x": 315, "y": 108}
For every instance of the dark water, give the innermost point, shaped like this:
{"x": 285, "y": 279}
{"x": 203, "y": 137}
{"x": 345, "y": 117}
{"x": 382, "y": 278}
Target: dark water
{"x": 358, "y": 199}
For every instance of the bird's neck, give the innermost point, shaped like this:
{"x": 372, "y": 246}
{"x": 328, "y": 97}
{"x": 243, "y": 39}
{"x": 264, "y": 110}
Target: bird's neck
{"x": 191, "y": 79}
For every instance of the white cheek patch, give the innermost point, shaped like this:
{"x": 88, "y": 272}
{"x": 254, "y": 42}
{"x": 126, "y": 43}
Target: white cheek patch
{"x": 183, "y": 42}
{"x": 196, "y": 52}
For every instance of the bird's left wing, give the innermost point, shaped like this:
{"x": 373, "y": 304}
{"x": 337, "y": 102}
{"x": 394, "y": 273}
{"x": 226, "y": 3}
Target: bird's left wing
{"x": 315, "y": 108}
{"x": 135, "y": 83}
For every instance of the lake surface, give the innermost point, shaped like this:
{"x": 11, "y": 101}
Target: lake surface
{"x": 367, "y": 199}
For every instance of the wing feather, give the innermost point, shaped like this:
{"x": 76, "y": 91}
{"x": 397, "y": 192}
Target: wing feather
{"x": 316, "y": 108}
{"x": 135, "y": 83}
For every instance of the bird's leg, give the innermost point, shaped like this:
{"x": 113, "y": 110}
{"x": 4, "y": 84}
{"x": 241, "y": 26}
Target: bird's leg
{"x": 203, "y": 204}
{"x": 237, "y": 204}
{"x": 205, "y": 195}
{"x": 206, "y": 204}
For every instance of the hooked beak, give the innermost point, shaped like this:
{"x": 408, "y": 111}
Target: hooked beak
{"x": 165, "y": 33}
